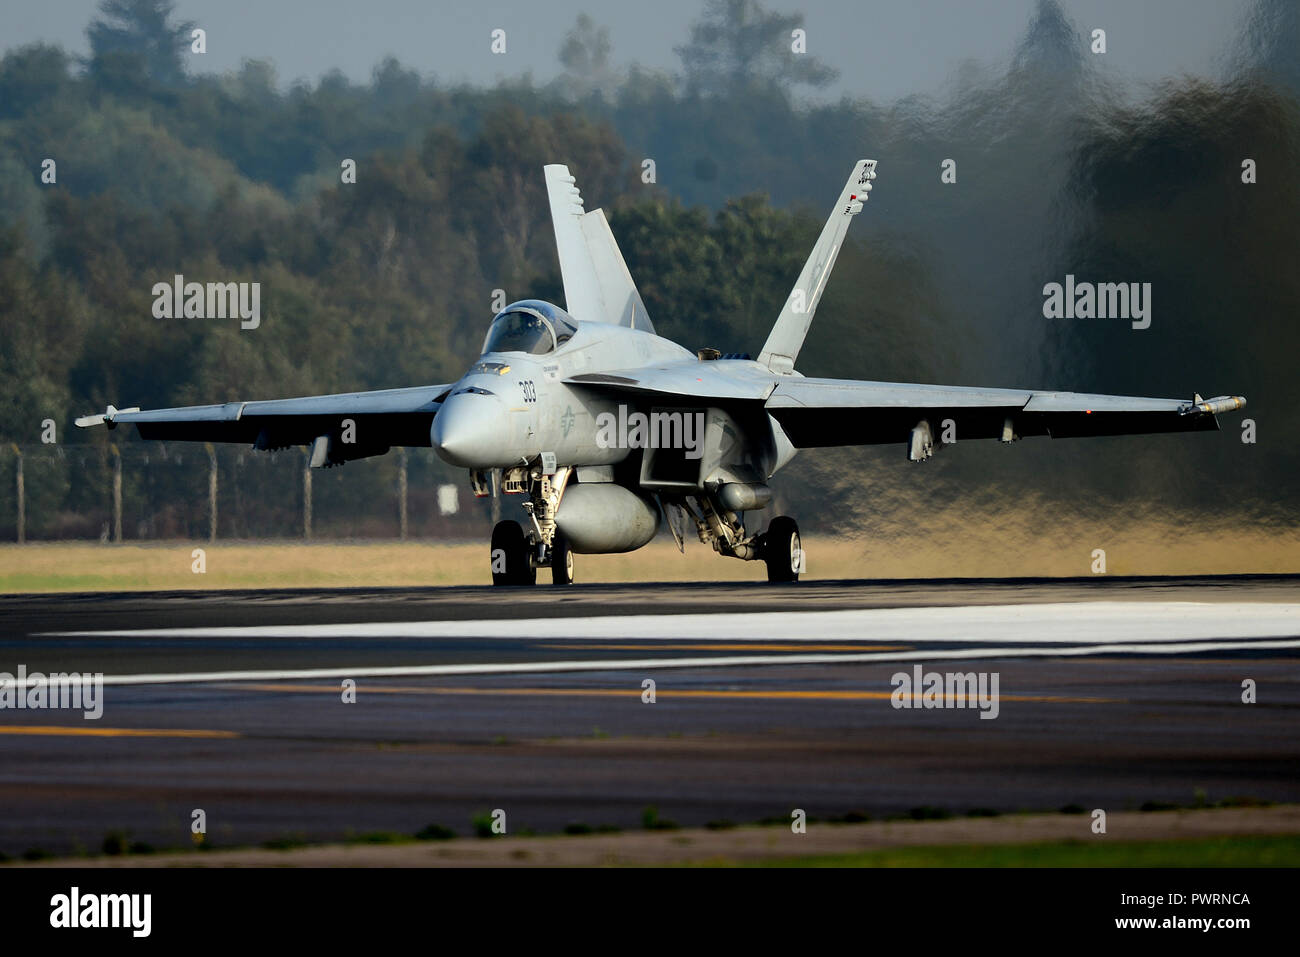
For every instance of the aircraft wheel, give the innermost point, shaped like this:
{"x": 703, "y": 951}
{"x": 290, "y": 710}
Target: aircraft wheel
{"x": 561, "y": 560}
{"x": 782, "y": 550}
{"x": 510, "y": 556}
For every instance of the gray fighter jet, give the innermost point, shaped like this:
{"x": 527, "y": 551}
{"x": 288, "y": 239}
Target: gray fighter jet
{"x": 605, "y": 428}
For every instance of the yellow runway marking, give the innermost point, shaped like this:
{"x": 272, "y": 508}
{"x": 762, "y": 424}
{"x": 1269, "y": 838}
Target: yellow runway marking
{"x": 95, "y": 732}
{"x": 661, "y": 693}
{"x": 728, "y": 646}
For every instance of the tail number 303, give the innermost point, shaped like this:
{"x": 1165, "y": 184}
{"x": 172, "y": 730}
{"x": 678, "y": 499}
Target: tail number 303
{"x": 530, "y": 390}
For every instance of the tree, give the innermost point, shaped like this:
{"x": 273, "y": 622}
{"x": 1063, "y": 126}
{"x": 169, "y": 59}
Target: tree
{"x": 144, "y": 31}
{"x": 585, "y": 55}
{"x": 738, "y": 46}
{"x": 31, "y": 77}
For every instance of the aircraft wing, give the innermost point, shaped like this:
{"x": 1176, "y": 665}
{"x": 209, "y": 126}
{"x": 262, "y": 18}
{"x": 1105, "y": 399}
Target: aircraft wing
{"x": 379, "y": 419}
{"x": 823, "y": 412}
{"x": 828, "y": 412}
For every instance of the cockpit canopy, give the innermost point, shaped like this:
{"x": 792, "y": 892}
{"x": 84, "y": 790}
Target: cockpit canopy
{"x": 530, "y": 326}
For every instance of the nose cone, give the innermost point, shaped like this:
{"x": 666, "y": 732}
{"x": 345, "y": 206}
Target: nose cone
{"x": 467, "y": 431}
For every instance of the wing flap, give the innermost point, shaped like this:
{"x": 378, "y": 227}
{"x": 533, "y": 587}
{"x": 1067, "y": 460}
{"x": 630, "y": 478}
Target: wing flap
{"x": 843, "y": 393}
{"x": 1050, "y": 402}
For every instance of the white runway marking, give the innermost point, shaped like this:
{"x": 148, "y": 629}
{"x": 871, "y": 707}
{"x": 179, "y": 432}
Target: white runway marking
{"x": 1114, "y": 622}
{"x": 1001, "y": 631}
{"x": 645, "y": 664}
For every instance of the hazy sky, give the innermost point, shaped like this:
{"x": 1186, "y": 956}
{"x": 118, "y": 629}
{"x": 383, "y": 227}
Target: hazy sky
{"x": 882, "y": 50}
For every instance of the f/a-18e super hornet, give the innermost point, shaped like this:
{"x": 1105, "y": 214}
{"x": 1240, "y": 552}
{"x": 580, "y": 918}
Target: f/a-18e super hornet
{"x": 605, "y": 427}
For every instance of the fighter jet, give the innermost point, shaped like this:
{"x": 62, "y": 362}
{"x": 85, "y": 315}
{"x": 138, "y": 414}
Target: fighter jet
{"x": 606, "y": 429}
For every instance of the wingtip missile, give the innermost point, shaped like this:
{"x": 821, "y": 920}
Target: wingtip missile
{"x": 1215, "y": 406}
{"x": 107, "y": 417}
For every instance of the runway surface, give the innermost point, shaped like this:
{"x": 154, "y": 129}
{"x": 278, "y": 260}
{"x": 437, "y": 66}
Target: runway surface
{"x": 1111, "y": 693}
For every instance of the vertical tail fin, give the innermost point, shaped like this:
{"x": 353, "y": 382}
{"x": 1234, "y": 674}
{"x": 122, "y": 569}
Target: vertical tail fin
{"x": 787, "y": 335}
{"x": 597, "y": 284}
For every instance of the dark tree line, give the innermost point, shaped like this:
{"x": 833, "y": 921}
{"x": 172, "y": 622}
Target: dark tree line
{"x": 388, "y": 281}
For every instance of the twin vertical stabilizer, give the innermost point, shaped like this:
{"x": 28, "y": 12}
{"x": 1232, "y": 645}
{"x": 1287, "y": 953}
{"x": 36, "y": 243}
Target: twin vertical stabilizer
{"x": 787, "y": 335}
{"x": 597, "y": 284}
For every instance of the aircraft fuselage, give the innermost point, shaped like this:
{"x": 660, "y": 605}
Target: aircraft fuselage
{"x": 510, "y": 407}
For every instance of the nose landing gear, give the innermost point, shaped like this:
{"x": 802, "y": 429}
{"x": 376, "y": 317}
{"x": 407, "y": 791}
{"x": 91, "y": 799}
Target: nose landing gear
{"x": 561, "y": 560}
{"x": 516, "y": 554}
{"x": 512, "y": 556}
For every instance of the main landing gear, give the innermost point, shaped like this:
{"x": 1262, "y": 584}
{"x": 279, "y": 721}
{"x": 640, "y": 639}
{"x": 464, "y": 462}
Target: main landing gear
{"x": 782, "y": 550}
{"x": 779, "y": 548}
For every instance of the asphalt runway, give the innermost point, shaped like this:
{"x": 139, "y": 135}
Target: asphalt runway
{"x": 1111, "y": 693}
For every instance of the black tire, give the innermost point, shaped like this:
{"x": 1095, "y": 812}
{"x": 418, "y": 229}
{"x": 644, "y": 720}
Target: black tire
{"x": 783, "y": 550}
{"x": 510, "y": 556}
{"x": 561, "y": 560}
